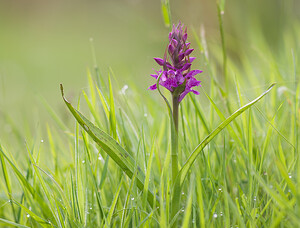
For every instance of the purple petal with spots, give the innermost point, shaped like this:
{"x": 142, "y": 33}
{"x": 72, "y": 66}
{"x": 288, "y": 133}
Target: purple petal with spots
{"x": 193, "y": 73}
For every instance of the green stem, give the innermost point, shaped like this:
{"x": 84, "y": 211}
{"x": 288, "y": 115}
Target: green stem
{"x": 174, "y": 138}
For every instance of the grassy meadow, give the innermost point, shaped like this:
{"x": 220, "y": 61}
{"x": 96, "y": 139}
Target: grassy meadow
{"x": 97, "y": 150}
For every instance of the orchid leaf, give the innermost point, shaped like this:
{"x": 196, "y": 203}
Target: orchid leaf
{"x": 124, "y": 160}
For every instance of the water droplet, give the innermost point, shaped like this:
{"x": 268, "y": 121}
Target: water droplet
{"x": 42, "y": 141}
{"x": 85, "y": 127}
{"x": 91, "y": 208}
{"x": 254, "y": 198}
{"x": 193, "y": 221}
{"x": 290, "y": 175}
{"x": 182, "y": 193}
{"x": 83, "y": 161}
{"x": 123, "y": 90}
{"x": 132, "y": 198}
{"x": 221, "y": 213}
{"x": 145, "y": 114}
{"x": 182, "y": 210}
{"x": 220, "y": 189}
{"x": 27, "y": 215}
{"x": 29, "y": 208}
{"x": 215, "y": 215}
{"x": 234, "y": 160}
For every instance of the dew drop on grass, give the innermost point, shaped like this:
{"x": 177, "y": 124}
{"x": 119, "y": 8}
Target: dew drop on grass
{"x": 100, "y": 158}
{"x": 123, "y": 90}
{"x": 83, "y": 161}
{"x": 27, "y": 215}
{"x": 145, "y": 115}
{"x": 221, "y": 213}
{"x": 182, "y": 210}
{"x": 42, "y": 141}
{"x": 182, "y": 193}
{"x": 290, "y": 175}
{"x": 215, "y": 215}
{"x": 254, "y": 198}
{"x": 132, "y": 198}
{"x": 91, "y": 208}
{"x": 85, "y": 127}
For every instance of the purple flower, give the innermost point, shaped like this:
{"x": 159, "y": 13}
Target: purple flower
{"x": 176, "y": 75}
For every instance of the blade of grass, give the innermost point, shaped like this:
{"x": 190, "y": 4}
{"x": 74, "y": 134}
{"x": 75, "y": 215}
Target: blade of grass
{"x": 113, "y": 204}
{"x": 10, "y": 223}
{"x": 8, "y": 186}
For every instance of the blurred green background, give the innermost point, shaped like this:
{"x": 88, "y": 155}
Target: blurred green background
{"x": 45, "y": 43}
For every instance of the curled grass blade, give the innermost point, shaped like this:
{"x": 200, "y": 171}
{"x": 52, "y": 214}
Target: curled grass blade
{"x": 111, "y": 147}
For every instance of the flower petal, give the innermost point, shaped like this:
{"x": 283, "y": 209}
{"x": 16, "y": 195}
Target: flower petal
{"x": 195, "y": 92}
{"x": 193, "y": 73}
{"x": 188, "y": 51}
{"x": 154, "y": 76}
{"x": 153, "y": 87}
{"x": 186, "y": 66}
{"x": 192, "y": 59}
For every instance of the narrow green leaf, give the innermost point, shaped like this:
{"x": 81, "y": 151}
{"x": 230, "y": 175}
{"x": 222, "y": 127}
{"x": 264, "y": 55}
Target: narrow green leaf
{"x": 188, "y": 208}
{"x": 8, "y": 185}
{"x": 10, "y": 223}
{"x": 147, "y": 179}
{"x": 165, "y": 13}
{"x": 22, "y": 179}
{"x": 103, "y": 101}
{"x": 40, "y": 220}
{"x": 186, "y": 167}
{"x": 92, "y": 88}
{"x": 111, "y": 147}
{"x": 113, "y": 204}
{"x": 112, "y": 113}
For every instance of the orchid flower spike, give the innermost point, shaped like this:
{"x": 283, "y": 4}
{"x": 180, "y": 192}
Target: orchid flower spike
{"x": 177, "y": 75}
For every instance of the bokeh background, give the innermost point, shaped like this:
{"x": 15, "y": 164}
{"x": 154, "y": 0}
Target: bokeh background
{"x": 45, "y": 43}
